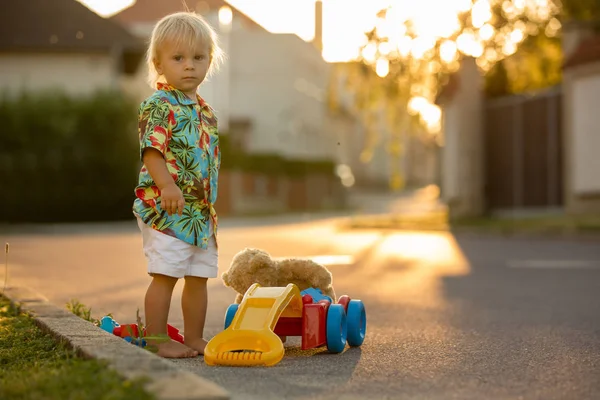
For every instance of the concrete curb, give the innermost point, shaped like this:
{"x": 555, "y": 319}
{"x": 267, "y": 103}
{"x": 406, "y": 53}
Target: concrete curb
{"x": 163, "y": 378}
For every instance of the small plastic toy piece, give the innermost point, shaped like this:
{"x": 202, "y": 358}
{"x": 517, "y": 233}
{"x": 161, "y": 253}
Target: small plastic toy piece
{"x": 124, "y": 331}
{"x": 253, "y": 328}
{"x": 316, "y": 295}
{"x": 108, "y": 324}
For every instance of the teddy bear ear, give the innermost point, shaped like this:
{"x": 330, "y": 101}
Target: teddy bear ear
{"x": 225, "y": 278}
{"x": 321, "y": 276}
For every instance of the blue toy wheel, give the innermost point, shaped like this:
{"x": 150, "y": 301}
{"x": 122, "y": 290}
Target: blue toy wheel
{"x": 231, "y": 310}
{"x": 336, "y": 328}
{"x": 357, "y": 322}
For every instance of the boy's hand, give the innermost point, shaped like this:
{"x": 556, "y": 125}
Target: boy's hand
{"x": 172, "y": 199}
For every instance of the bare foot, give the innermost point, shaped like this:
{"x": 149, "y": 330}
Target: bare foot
{"x": 196, "y": 344}
{"x": 173, "y": 349}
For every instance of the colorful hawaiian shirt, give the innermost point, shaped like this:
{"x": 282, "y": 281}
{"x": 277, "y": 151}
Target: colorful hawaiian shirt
{"x": 185, "y": 132}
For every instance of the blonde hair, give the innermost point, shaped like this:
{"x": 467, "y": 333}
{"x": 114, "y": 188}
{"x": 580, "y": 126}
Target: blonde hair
{"x": 185, "y": 27}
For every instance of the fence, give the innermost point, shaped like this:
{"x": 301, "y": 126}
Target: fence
{"x": 523, "y": 151}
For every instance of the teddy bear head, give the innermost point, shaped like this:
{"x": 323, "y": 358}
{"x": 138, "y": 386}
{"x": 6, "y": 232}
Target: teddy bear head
{"x": 250, "y": 266}
{"x": 305, "y": 274}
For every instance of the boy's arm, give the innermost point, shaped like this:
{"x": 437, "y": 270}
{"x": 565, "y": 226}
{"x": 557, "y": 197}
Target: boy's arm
{"x": 172, "y": 200}
{"x": 156, "y": 121}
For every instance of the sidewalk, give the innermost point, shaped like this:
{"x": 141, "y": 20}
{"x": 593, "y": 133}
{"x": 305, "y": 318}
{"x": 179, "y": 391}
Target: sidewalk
{"x": 163, "y": 378}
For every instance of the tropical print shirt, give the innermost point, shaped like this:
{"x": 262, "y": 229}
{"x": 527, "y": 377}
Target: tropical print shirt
{"x": 185, "y": 132}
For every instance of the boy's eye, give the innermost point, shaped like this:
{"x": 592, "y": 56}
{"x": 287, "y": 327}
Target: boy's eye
{"x": 177, "y": 58}
{"x": 202, "y": 57}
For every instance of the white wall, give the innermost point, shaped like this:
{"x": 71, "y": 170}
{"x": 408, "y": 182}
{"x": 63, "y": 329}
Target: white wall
{"x": 280, "y": 81}
{"x": 462, "y": 172}
{"x": 586, "y": 135}
{"x": 450, "y": 159}
{"x": 74, "y": 73}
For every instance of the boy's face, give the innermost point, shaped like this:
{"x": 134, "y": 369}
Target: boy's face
{"x": 183, "y": 67}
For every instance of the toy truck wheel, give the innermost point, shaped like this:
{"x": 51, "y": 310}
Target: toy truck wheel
{"x": 357, "y": 323}
{"x": 336, "y": 328}
{"x": 231, "y": 310}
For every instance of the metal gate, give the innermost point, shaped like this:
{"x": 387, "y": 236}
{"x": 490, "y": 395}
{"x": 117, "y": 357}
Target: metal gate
{"x": 523, "y": 151}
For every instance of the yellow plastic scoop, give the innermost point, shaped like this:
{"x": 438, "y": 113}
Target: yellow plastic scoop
{"x": 250, "y": 340}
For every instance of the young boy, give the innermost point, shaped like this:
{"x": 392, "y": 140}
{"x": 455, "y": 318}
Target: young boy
{"x": 177, "y": 185}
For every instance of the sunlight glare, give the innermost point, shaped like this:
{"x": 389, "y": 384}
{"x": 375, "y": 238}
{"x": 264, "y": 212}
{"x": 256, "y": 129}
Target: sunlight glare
{"x": 106, "y": 8}
{"x": 491, "y": 55}
{"x": 486, "y": 32}
{"x": 509, "y": 9}
{"x": 385, "y": 48}
{"x": 553, "y": 27}
{"x": 383, "y": 67}
{"x": 481, "y": 13}
{"x": 463, "y": 5}
{"x": 225, "y": 15}
{"x": 422, "y": 45}
{"x": 465, "y": 42}
{"x": 369, "y": 52}
{"x": 448, "y": 51}
{"x": 416, "y": 104}
{"x": 509, "y": 48}
{"x": 427, "y": 249}
{"x": 432, "y": 116}
{"x": 519, "y": 5}
{"x": 443, "y": 23}
{"x": 382, "y": 27}
{"x": 517, "y": 36}
{"x": 346, "y": 21}
{"x": 404, "y": 46}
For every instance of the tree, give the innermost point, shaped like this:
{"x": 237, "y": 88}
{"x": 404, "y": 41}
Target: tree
{"x": 408, "y": 58}
{"x": 586, "y": 10}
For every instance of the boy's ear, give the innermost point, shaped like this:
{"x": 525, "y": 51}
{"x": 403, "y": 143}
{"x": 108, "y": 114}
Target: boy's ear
{"x": 157, "y": 66}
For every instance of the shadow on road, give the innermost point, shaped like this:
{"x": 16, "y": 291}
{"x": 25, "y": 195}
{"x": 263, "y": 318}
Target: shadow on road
{"x": 301, "y": 374}
{"x": 531, "y": 332}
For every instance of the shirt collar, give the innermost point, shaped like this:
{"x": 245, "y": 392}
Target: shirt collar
{"x": 179, "y": 95}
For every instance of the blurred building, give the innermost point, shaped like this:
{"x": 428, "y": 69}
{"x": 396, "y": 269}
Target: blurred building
{"x": 62, "y": 44}
{"x": 270, "y": 93}
{"x": 525, "y": 153}
{"x": 581, "y": 140}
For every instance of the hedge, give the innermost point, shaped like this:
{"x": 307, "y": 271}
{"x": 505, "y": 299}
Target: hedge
{"x": 75, "y": 159}
{"x": 271, "y": 164}
{"x": 67, "y": 159}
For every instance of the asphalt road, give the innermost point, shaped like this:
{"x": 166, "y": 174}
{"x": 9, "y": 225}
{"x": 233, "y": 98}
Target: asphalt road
{"x": 448, "y": 317}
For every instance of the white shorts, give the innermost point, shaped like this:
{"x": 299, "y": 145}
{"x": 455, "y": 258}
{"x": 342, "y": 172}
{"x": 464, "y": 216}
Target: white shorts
{"x": 173, "y": 257}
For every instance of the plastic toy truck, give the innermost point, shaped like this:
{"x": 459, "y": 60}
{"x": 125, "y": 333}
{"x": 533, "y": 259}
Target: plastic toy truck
{"x": 124, "y": 331}
{"x": 253, "y": 328}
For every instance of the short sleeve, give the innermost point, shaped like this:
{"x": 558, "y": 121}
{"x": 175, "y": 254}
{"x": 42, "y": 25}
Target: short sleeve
{"x": 156, "y": 120}
{"x": 217, "y": 139}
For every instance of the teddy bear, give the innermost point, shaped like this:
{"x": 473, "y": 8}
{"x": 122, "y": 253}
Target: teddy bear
{"x": 252, "y": 265}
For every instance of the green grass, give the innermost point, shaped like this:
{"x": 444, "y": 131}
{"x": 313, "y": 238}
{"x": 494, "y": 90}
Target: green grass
{"x": 35, "y": 366}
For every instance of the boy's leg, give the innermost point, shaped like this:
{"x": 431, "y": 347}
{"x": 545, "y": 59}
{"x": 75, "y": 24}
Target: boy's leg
{"x": 194, "y": 301}
{"x": 168, "y": 259}
{"x": 157, "y": 304}
{"x": 204, "y": 265}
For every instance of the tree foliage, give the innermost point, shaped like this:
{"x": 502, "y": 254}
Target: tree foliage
{"x": 405, "y": 63}
{"x": 586, "y": 10}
